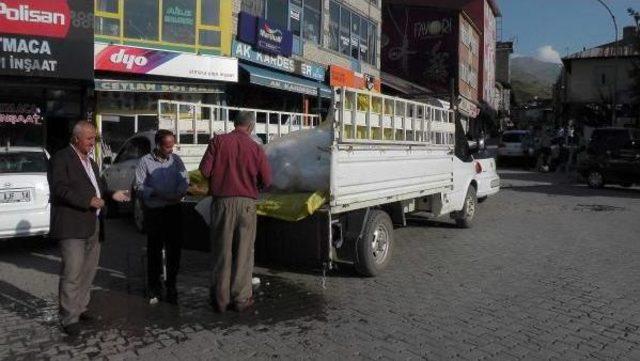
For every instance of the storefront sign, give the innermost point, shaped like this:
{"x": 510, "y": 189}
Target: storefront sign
{"x": 308, "y": 70}
{"x": 153, "y": 87}
{"x": 264, "y": 35}
{"x": 46, "y": 38}
{"x": 20, "y": 113}
{"x": 343, "y": 77}
{"x": 125, "y": 59}
{"x": 467, "y": 108}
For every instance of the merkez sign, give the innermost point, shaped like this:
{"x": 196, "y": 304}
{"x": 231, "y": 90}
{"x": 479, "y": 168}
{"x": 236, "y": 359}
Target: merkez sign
{"x": 46, "y": 38}
{"x": 265, "y": 36}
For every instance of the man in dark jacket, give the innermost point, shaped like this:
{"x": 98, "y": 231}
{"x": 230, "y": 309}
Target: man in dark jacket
{"x": 77, "y": 197}
{"x": 236, "y": 167}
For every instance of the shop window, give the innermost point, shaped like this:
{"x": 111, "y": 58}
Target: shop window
{"x": 210, "y": 10}
{"x": 372, "y": 35}
{"x": 141, "y": 21}
{"x": 179, "y": 21}
{"x": 277, "y": 12}
{"x": 210, "y": 38}
{"x": 295, "y": 24}
{"x": 107, "y": 26}
{"x": 364, "y": 41}
{"x": 311, "y": 20}
{"x": 334, "y": 26}
{"x": 109, "y": 6}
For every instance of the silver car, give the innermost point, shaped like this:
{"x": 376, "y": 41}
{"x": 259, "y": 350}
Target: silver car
{"x": 121, "y": 173}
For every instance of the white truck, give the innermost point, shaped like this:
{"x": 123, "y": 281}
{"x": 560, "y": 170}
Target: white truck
{"x": 390, "y": 157}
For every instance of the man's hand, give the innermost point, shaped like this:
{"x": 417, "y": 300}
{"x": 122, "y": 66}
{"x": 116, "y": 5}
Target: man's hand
{"x": 96, "y": 203}
{"x": 121, "y": 196}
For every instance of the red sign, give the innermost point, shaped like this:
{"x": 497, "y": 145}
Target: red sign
{"x": 339, "y": 76}
{"x": 47, "y": 18}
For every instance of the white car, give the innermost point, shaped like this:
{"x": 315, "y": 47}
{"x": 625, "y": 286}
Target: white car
{"x": 24, "y": 192}
{"x": 487, "y": 178}
{"x": 515, "y": 144}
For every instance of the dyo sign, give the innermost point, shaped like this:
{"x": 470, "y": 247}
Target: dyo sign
{"x": 129, "y": 60}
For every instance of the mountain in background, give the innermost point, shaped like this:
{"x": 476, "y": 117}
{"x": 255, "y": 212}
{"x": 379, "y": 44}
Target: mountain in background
{"x": 532, "y": 78}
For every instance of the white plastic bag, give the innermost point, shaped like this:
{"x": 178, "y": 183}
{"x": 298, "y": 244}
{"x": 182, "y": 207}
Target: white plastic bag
{"x": 300, "y": 160}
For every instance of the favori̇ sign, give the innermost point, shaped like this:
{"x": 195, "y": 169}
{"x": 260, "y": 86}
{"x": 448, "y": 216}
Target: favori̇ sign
{"x": 127, "y": 59}
{"x": 46, "y": 38}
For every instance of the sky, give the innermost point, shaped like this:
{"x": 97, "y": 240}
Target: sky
{"x": 550, "y": 29}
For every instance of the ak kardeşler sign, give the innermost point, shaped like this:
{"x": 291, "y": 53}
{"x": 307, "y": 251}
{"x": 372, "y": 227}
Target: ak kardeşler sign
{"x": 265, "y": 36}
{"x": 127, "y": 59}
{"x": 46, "y": 38}
{"x": 244, "y": 51}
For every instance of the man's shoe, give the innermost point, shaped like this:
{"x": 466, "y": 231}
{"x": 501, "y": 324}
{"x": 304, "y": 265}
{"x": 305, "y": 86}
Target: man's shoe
{"x": 72, "y": 329}
{"x": 172, "y": 295}
{"x": 244, "y": 306}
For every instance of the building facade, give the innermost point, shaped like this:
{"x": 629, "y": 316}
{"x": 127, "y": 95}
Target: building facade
{"x": 503, "y": 83}
{"x": 596, "y": 87}
{"x": 46, "y": 72}
{"x": 323, "y": 43}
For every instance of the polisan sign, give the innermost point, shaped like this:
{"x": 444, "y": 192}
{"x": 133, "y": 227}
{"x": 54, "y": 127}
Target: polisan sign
{"x": 35, "y": 17}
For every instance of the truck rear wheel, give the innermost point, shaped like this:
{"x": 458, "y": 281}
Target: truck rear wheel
{"x": 373, "y": 251}
{"x": 464, "y": 218}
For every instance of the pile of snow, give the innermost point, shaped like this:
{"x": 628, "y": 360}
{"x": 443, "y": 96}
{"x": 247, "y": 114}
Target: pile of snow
{"x": 300, "y": 160}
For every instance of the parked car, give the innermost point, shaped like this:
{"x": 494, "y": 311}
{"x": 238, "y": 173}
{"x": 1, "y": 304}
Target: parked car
{"x": 24, "y": 192}
{"x": 121, "y": 173}
{"x": 487, "y": 178}
{"x": 612, "y": 157}
{"x": 515, "y": 144}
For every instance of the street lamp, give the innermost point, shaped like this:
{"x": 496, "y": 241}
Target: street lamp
{"x": 614, "y": 94}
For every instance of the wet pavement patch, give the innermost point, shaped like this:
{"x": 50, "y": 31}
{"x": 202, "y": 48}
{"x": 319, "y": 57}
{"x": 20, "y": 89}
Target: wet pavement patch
{"x": 597, "y": 208}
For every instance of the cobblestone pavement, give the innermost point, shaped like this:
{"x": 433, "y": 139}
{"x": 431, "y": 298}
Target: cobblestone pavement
{"x": 550, "y": 271}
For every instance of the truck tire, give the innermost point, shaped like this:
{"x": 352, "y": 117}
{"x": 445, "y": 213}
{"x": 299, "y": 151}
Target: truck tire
{"x": 464, "y": 218}
{"x": 373, "y": 250}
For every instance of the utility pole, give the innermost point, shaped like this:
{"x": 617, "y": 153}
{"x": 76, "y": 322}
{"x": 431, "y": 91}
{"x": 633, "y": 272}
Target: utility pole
{"x": 614, "y": 93}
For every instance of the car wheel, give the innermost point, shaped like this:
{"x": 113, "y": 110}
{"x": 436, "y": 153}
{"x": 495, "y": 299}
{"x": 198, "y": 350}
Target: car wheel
{"x": 464, "y": 218}
{"x": 595, "y": 179}
{"x": 373, "y": 250}
{"x": 138, "y": 215}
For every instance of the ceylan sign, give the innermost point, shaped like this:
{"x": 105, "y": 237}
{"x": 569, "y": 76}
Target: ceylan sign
{"x": 244, "y": 51}
{"x": 153, "y": 87}
{"x": 265, "y": 36}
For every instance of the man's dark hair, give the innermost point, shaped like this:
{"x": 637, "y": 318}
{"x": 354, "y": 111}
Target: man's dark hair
{"x": 161, "y": 134}
{"x": 243, "y": 119}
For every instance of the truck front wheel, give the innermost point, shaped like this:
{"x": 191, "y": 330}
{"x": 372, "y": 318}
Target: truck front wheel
{"x": 373, "y": 251}
{"x": 464, "y": 218}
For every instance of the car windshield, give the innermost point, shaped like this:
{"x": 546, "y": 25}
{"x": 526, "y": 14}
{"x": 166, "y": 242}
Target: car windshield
{"x": 23, "y": 162}
{"x": 513, "y": 137}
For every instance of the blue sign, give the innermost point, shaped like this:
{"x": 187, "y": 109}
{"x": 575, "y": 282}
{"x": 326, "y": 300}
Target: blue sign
{"x": 244, "y": 51}
{"x": 265, "y": 36}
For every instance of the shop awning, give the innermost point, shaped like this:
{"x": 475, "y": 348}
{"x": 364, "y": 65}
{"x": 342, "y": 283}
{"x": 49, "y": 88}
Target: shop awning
{"x": 404, "y": 86}
{"x": 282, "y": 81}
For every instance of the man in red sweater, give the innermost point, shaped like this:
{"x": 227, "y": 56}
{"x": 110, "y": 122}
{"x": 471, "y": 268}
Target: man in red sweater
{"x": 236, "y": 167}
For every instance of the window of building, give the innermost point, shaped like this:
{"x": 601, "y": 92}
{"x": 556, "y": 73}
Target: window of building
{"x": 178, "y": 21}
{"x": 352, "y": 34}
{"x": 210, "y": 10}
{"x": 140, "y": 21}
{"x": 334, "y": 26}
{"x": 173, "y": 25}
{"x": 345, "y": 25}
{"x": 109, "y": 6}
{"x": 277, "y": 12}
{"x": 311, "y": 20}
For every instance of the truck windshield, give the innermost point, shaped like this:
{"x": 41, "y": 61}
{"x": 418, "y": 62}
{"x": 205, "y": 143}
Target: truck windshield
{"x": 23, "y": 162}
